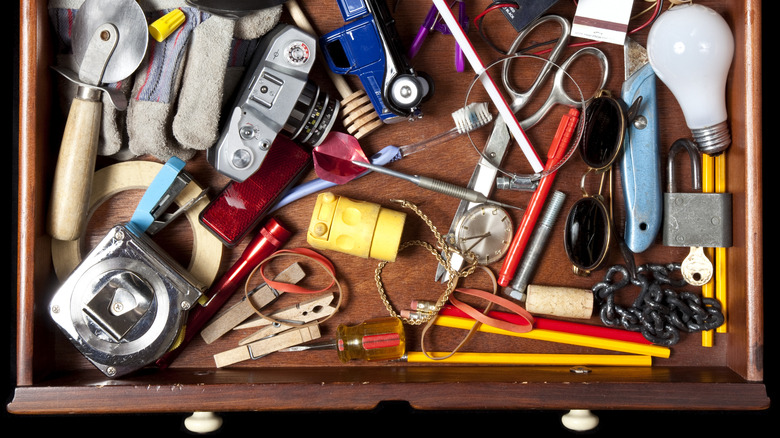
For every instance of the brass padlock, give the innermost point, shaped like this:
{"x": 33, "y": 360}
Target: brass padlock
{"x": 694, "y": 219}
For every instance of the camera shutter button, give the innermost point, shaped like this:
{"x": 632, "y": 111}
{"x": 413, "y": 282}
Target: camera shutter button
{"x": 242, "y": 158}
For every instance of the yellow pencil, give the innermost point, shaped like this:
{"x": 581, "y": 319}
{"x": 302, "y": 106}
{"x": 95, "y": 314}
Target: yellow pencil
{"x": 531, "y": 359}
{"x": 720, "y": 253}
{"x": 708, "y": 186}
{"x": 560, "y": 337}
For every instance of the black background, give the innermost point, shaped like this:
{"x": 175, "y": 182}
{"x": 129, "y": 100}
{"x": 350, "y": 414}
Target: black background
{"x": 399, "y": 418}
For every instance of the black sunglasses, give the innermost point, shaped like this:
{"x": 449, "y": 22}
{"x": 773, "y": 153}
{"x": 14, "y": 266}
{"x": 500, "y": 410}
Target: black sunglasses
{"x": 588, "y": 233}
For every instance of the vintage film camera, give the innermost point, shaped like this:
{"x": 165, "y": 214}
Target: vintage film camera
{"x": 276, "y": 97}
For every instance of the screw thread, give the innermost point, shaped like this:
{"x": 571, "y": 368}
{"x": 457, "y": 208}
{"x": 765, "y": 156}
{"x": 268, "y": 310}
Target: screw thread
{"x": 516, "y": 289}
{"x": 712, "y": 140}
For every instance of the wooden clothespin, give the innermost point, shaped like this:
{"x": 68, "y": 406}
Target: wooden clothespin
{"x": 267, "y": 345}
{"x": 260, "y": 297}
{"x": 298, "y": 310}
{"x": 298, "y": 314}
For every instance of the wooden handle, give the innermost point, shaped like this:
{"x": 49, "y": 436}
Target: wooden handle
{"x": 75, "y": 167}
{"x": 303, "y": 22}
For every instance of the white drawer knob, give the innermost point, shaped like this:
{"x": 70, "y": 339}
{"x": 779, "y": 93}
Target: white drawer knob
{"x": 580, "y": 420}
{"x": 203, "y": 422}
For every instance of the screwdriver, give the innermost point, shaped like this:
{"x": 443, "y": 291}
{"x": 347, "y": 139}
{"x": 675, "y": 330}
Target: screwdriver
{"x": 372, "y": 340}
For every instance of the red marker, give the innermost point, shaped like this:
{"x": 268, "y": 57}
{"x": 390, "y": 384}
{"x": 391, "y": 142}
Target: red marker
{"x": 524, "y": 230}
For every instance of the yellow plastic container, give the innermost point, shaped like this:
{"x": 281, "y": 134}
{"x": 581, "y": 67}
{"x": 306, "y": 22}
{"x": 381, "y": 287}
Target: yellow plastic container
{"x": 360, "y": 228}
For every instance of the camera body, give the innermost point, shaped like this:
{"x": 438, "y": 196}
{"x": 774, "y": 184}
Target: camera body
{"x": 276, "y": 97}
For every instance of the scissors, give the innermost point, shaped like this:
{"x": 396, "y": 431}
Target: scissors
{"x": 484, "y": 176}
{"x": 558, "y": 94}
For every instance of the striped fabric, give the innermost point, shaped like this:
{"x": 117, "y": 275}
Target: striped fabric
{"x": 165, "y": 57}
{"x": 62, "y": 22}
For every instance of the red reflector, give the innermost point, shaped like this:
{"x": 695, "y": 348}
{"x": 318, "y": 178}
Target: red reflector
{"x": 241, "y": 206}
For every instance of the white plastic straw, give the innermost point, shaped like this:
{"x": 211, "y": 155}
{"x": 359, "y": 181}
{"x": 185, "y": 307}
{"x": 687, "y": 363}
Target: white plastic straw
{"x": 490, "y": 86}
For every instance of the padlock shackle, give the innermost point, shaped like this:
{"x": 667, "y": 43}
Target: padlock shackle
{"x": 693, "y": 153}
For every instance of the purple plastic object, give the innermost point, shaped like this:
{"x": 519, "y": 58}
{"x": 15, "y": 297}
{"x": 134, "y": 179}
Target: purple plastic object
{"x": 425, "y": 29}
{"x": 432, "y": 22}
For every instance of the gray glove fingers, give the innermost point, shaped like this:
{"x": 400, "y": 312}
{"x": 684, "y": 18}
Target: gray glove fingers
{"x": 217, "y": 59}
{"x": 255, "y": 25}
{"x": 246, "y": 37}
{"x": 157, "y": 83}
{"x": 195, "y": 124}
{"x": 148, "y": 130}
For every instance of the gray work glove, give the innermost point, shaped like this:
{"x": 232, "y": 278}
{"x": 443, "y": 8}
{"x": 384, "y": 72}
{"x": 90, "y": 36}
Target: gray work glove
{"x": 176, "y": 94}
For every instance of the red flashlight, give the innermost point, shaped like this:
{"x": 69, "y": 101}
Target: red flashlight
{"x": 268, "y": 240}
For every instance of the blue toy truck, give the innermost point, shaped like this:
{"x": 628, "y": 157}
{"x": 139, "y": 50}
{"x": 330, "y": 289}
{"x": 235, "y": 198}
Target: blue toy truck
{"x": 369, "y": 47}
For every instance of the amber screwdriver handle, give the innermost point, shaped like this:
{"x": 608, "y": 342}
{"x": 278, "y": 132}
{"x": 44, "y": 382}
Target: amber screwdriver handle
{"x": 69, "y": 201}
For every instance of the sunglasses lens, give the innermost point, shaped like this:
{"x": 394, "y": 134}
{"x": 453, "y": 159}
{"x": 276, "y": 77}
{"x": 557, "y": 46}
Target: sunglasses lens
{"x": 586, "y": 236}
{"x": 603, "y": 132}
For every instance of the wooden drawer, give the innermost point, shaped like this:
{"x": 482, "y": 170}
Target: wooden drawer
{"x": 53, "y": 378}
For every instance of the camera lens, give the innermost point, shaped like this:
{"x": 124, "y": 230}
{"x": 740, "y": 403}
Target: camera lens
{"x": 312, "y": 117}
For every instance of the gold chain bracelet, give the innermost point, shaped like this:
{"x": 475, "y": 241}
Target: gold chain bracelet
{"x": 443, "y": 247}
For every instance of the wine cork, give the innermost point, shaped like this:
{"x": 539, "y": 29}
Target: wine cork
{"x": 567, "y": 302}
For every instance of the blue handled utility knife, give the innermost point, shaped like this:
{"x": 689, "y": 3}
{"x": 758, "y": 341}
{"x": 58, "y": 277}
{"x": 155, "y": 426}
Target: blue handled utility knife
{"x": 640, "y": 164}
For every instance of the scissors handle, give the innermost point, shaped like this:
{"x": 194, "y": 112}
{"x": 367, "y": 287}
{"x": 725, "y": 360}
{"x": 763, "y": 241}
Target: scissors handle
{"x": 558, "y": 94}
{"x": 521, "y": 98}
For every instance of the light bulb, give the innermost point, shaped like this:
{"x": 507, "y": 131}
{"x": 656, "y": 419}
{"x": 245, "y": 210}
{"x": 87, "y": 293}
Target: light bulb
{"x": 691, "y": 48}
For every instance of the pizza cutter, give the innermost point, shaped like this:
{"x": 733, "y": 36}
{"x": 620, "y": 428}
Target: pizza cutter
{"x": 109, "y": 42}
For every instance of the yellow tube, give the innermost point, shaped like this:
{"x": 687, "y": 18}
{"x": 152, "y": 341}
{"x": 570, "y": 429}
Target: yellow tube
{"x": 531, "y": 359}
{"x": 720, "y": 253}
{"x": 708, "y": 186}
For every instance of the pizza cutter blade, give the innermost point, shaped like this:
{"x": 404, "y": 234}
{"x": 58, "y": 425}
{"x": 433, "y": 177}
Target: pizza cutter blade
{"x": 109, "y": 42}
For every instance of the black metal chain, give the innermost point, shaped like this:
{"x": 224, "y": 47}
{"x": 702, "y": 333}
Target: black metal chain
{"x": 659, "y": 312}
